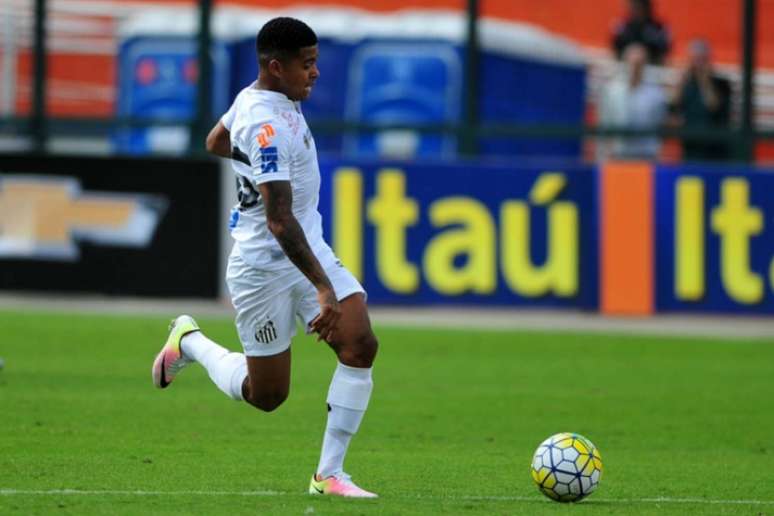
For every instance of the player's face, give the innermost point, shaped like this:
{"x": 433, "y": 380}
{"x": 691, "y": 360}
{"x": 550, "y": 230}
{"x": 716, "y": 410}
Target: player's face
{"x": 300, "y": 73}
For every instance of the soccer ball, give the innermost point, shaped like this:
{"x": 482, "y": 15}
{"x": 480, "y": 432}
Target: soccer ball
{"x": 567, "y": 467}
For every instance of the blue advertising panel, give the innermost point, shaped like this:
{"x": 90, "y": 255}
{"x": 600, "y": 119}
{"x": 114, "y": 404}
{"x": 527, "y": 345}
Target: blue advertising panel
{"x": 714, "y": 239}
{"x": 158, "y": 79}
{"x": 531, "y": 92}
{"x": 412, "y": 82}
{"x": 374, "y": 80}
{"x": 465, "y": 233}
{"x": 419, "y": 81}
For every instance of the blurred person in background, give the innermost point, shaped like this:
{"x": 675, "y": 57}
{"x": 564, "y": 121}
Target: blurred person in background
{"x": 702, "y": 101}
{"x": 641, "y": 27}
{"x": 631, "y": 102}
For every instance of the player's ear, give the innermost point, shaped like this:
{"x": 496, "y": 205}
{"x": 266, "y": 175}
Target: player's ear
{"x": 275, "y": 67}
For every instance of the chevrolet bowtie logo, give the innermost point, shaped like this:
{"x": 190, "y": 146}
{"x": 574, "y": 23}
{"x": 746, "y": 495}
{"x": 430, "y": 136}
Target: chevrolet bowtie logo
{"x": 42, "y": 217}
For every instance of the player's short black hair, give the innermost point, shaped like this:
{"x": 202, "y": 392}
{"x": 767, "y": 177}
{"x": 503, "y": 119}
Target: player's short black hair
{"x": 283, "y": 37}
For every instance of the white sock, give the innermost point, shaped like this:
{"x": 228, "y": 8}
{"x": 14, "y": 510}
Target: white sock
{"x": 226, "y": 369}
{"x": 348, "y": 398}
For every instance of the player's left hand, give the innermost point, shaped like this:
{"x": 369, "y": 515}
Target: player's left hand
{"x": 330, "y": 313}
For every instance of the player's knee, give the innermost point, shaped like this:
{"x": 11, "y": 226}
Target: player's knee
{"x": 267, "y": 400}
{"x": 361, "y": 352}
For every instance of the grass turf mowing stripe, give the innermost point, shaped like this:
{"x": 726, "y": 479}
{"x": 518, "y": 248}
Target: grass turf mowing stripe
{"x": 682, "y": 423}
{"x": 78, "y": 492}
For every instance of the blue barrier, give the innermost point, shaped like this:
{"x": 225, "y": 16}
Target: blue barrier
{"x": 465, "y": 233}
{"x": 157, "y": 79}
{"x": 391, "y": 69}
{"x": 404, "y": 83}
{"x": 714, "y": 239}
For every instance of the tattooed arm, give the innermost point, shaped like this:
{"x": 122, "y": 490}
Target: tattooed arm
{"x": 278, "y": 200}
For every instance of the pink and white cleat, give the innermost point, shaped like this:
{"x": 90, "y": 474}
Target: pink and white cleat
{"x": 170, "y": 359}
{"x": 339, "y": 484}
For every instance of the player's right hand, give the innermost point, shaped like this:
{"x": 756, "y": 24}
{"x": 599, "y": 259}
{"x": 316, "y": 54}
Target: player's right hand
{"x": 330, "y": 313}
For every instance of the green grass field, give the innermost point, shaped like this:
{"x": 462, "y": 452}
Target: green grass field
{"x": 683, "y": 425}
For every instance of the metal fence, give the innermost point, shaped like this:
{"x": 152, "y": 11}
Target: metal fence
{"x": 41, "y": 27}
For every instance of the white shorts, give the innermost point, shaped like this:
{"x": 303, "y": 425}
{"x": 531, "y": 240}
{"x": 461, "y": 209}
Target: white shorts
{"x": 268, "y": 302}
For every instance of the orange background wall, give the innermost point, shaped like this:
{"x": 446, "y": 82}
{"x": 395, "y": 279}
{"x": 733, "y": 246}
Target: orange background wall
{"x": 590, "y": 21}
{"x": 718, "y": 20}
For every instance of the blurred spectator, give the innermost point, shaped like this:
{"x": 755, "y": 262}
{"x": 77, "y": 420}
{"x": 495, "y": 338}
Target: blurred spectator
{"x": 642, "y": 27}
{"x": 702, "y": 101}
{"x": 630, "y": 102}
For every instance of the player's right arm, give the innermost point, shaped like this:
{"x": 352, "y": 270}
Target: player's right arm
{"x": 278, "y": 200}
{"x": 269, "y": 153}
{"x": 219, "y": 138}
{"x": 219, "y": 141}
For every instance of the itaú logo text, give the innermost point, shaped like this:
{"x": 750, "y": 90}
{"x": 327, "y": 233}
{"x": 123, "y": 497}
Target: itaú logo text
{"x": 43, "y": 217}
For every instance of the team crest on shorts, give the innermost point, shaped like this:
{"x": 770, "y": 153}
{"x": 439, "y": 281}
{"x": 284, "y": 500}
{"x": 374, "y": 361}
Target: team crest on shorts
{"x": 266, "y": 333}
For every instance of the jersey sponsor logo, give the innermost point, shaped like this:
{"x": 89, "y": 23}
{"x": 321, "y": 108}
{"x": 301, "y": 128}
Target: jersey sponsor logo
{"x": 265, "y": 135}
{"x": 269, "y": 157}
{"x": 266, "y": 333}
{"x": 44, "y": 217}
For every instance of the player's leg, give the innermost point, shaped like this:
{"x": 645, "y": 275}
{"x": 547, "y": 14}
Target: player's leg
{"x": 262, "y": 381}
{"x": 227, "y": 369}
{"x": 265, "y": 321}
{"x": 185, "y": 344}
{"x": 354, "y": 341}
{"x": 350, "y": 389}
{"x": 268, "y": 382}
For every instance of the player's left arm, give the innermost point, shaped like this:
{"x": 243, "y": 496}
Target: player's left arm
{"x": 219, "y": 141}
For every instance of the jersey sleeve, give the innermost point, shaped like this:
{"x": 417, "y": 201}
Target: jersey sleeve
{"x": 228, "y": 117}
{"x": 269, "y": 153}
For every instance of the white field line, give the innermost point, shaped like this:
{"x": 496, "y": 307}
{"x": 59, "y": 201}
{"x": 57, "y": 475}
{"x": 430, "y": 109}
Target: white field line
{"x": 109, "y": 492}
{"x": 113, "y": 492}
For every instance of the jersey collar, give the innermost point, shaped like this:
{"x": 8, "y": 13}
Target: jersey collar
{"x": 271, "y": 94}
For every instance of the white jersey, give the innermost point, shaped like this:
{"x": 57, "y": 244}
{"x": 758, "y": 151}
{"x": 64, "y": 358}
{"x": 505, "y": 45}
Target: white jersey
{"x": 271, "y": 141}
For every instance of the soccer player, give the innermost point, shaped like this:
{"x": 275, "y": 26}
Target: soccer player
{"x": 280, "y": 267}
